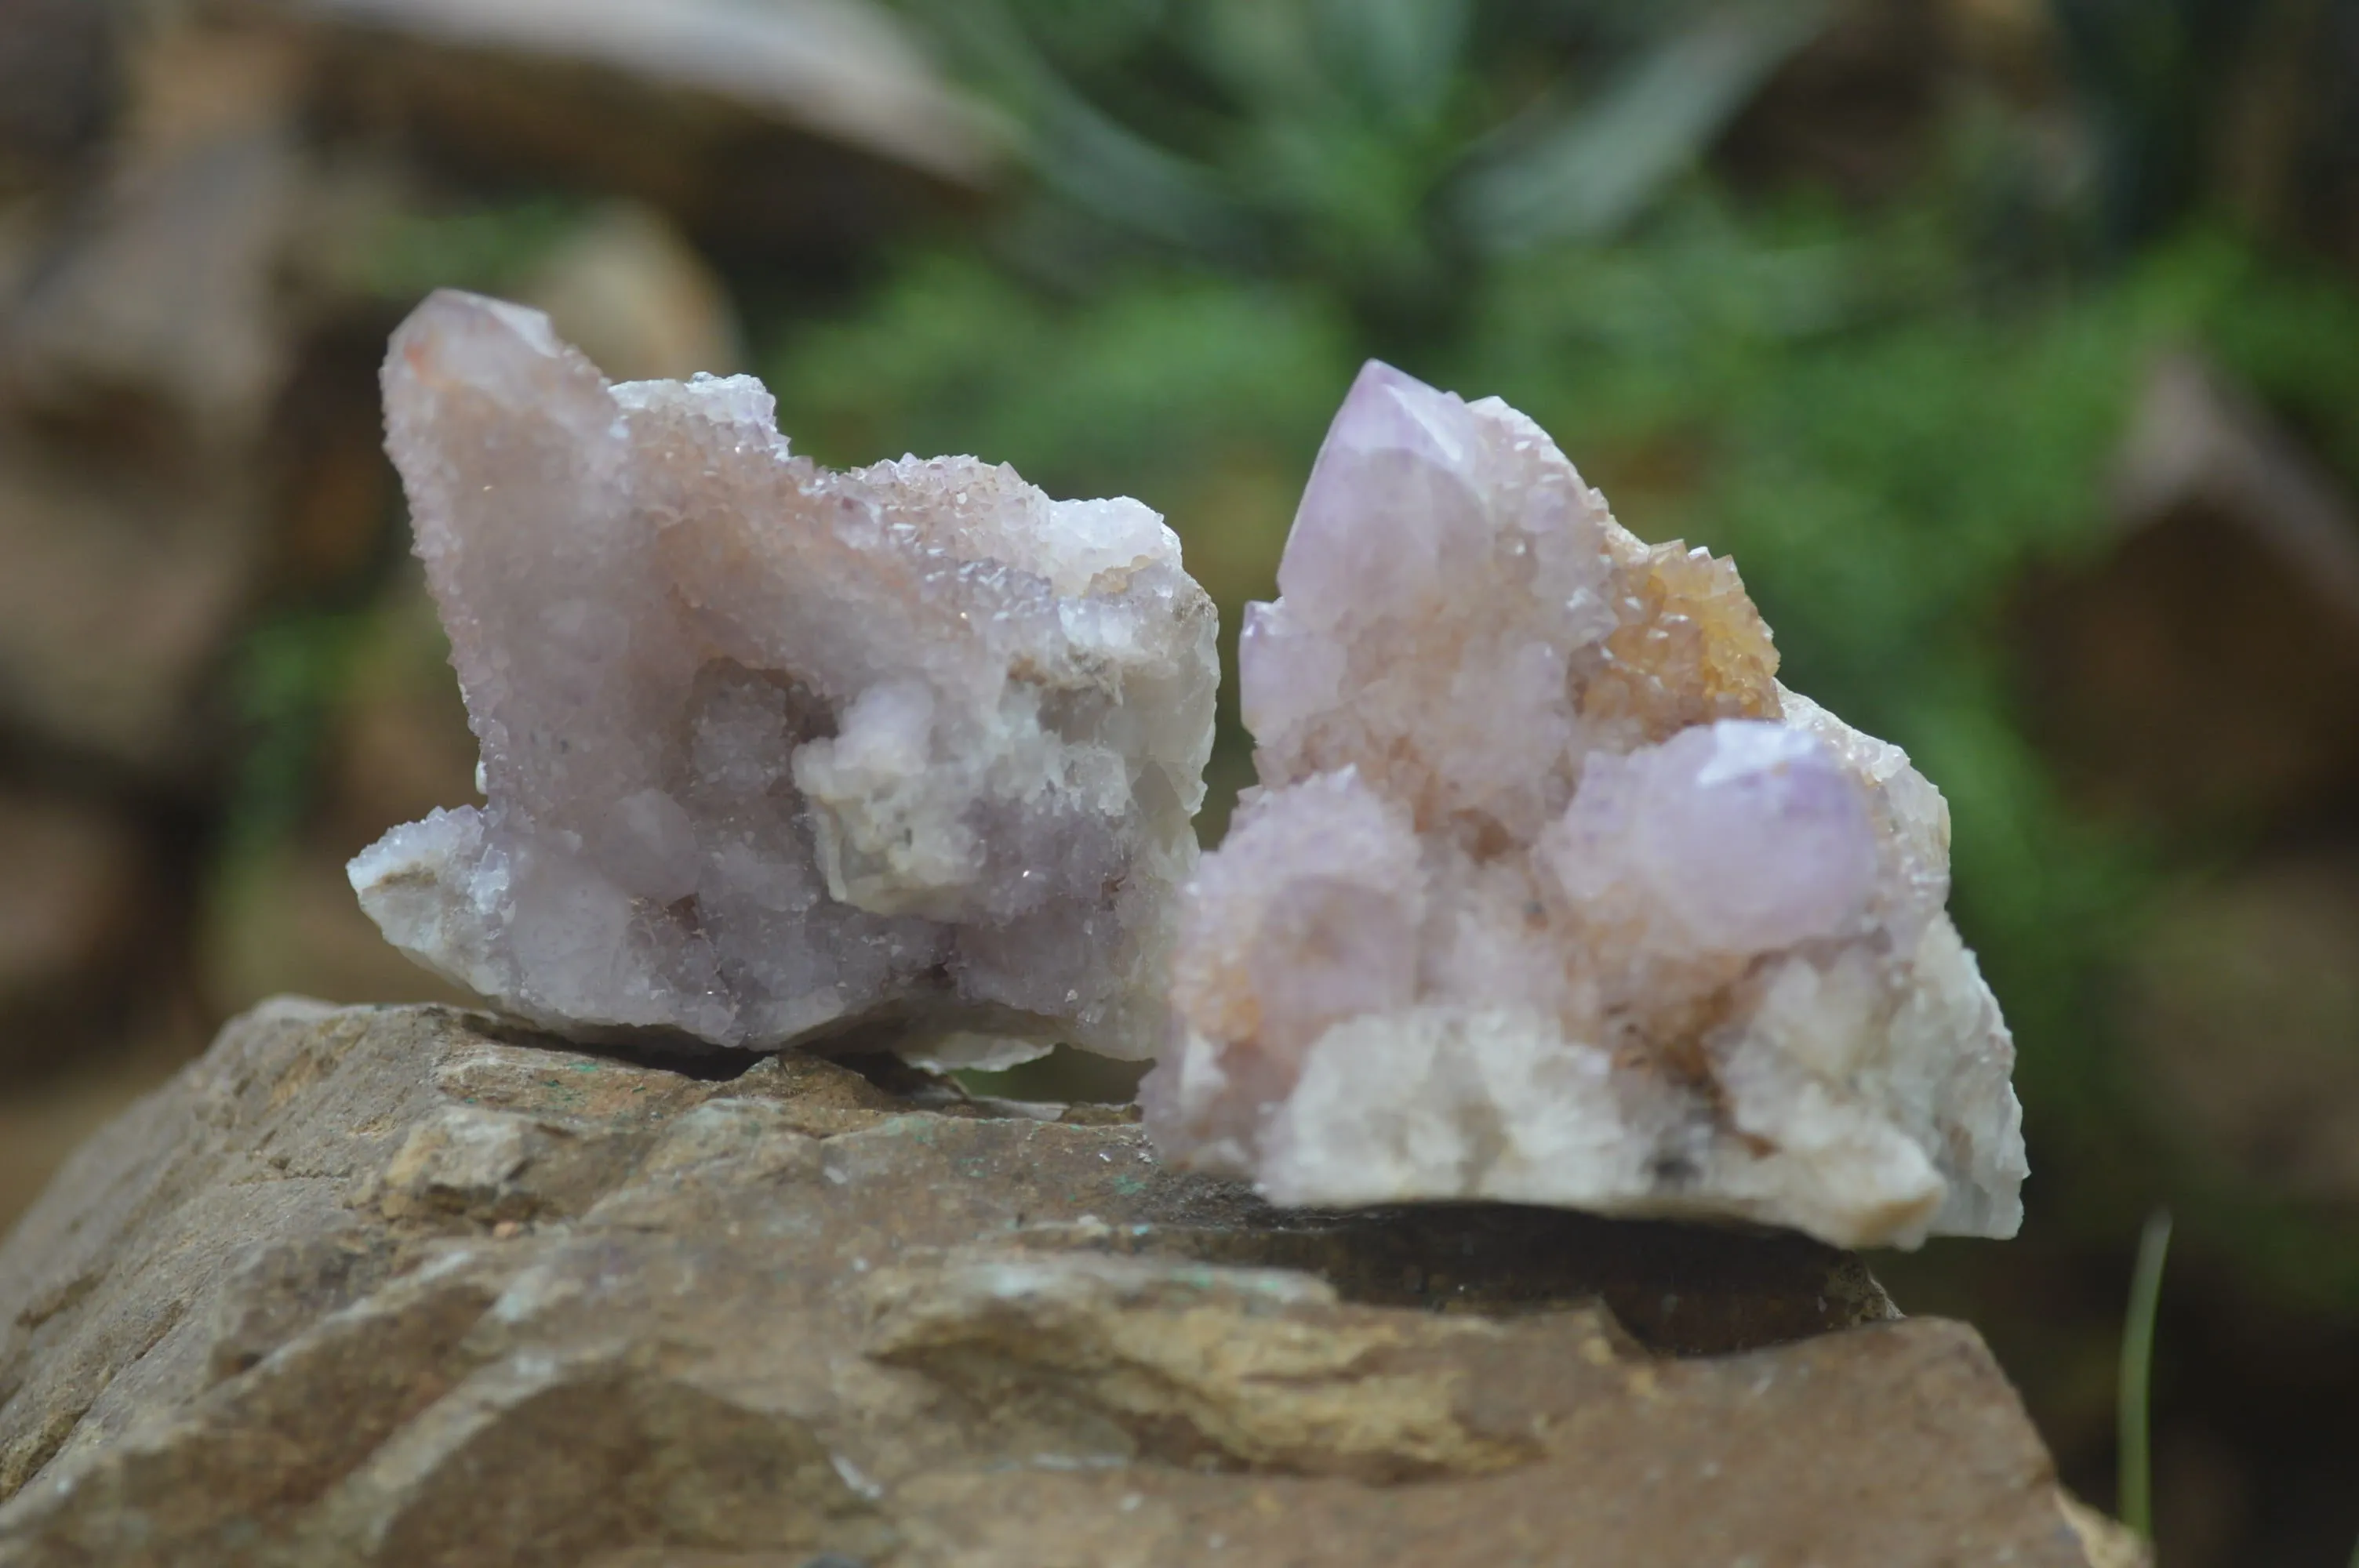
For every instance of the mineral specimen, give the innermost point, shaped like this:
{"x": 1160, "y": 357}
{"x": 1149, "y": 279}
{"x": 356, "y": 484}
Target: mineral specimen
{"x": 772, "y": 752}
{"x": 1550, "y": 892}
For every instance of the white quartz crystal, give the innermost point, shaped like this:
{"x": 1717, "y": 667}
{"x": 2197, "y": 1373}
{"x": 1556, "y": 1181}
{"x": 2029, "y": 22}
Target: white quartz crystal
{"x": 772, "y": 752}
{"x": 1551, "y": 893}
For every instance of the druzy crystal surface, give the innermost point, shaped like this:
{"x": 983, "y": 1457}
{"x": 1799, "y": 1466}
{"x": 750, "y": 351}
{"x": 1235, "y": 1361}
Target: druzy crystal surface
{"x": 1550, "y": 892}
{"x": 772, "y": 752}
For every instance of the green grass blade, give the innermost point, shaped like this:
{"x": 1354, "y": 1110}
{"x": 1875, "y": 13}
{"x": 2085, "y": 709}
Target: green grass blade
{"x": 2137, "y": 1377}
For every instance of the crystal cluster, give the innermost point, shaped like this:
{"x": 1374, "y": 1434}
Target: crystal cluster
{"x": 772, "y": 752}
{"x": 1551, "y": 893}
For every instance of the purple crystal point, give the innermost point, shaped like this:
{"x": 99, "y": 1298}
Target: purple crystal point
{"x": 1391, "y": 503}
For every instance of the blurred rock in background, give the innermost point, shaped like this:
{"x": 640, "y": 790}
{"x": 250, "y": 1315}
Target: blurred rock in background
{"x": 2203, "y": 670}
{"x": 2011, "y": 345}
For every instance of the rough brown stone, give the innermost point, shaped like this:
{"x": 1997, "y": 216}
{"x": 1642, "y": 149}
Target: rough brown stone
{"x": 402, "y": 1285}
{"x": 808, "y": 128}
{"x": 140, "y": 353}
{"x": 124, "y": 579}
{"x": 2203, "y": 668}
{"x": 2242, "y": 1008}
{"x": 70, "y": 899}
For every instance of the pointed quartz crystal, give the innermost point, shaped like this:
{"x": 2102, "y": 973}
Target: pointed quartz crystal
{"x": 1551, "y": 893}
{"x": 772, "y": 753}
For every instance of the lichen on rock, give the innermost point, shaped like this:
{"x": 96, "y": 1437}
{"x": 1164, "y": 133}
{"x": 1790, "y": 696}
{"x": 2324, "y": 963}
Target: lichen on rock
{"x": 772, "y": 751}
{"x": 1550, "y": 892}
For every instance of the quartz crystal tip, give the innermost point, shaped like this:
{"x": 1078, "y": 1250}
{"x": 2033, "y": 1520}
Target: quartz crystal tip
{"x": 1551, "y": 893}
{"x": 775, "y": 754}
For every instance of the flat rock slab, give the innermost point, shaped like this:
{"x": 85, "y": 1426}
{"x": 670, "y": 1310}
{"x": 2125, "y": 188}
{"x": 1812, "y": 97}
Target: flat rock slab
{"x": 402, "y": 1285}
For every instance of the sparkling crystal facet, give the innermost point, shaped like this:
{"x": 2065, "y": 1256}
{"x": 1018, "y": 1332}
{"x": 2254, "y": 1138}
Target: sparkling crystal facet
{"x": 772, "y": 751}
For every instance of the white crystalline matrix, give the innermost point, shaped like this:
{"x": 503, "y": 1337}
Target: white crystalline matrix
{"x": 772, "y": 752}
{"x": 1551, "y": 893}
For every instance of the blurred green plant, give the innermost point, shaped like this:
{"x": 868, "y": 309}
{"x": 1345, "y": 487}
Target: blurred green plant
{"x": 1392, "y": 148}
{"x": 407, "y": 251}
{"x": 284, "y": 680}
{"x": 2136, "y": 1393}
